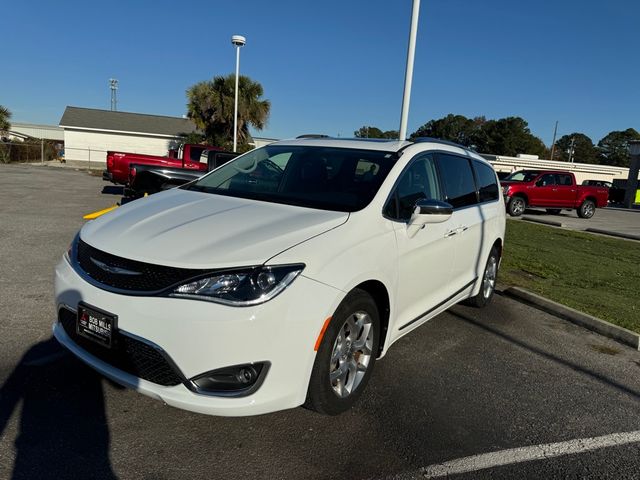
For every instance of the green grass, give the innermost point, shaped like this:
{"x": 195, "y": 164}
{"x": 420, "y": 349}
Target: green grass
{"x": 593, "y": 274}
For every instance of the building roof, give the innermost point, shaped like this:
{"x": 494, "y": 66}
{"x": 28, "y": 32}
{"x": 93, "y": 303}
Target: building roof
{"x": 48, "y": 132}
{"x": 107, "y": 120}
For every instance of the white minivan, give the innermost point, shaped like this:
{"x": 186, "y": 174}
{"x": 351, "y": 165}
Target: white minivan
{"x": 279, "y": 278}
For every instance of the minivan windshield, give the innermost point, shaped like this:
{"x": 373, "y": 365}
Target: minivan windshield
{"x": 521, "y": 176}
{"x": 328, "y": 178}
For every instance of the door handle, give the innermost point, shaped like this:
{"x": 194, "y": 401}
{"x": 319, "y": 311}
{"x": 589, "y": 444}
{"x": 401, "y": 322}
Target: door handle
{"x": 451, "y": 233}
{"x": 462, "y": 228}
{"x": 555, "y": 189}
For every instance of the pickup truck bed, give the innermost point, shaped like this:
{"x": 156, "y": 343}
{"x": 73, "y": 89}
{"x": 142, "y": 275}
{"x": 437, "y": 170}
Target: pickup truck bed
{"x": 144, "y": 178}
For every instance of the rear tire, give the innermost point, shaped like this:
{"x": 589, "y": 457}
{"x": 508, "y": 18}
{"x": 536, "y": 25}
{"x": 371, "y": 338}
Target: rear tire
{"x": 489, "y": 279}
{"x": 346, "y": 355}
{"x": 553, "y": 211}
{"x": 587, "y": 209}
{"x": 516, "y": 206}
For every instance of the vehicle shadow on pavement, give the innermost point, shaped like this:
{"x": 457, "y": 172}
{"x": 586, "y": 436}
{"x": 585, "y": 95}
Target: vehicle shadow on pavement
{"x": 112, "y": 190}
{"x": 573, "y": 366}
{"x": 63, "y": 430}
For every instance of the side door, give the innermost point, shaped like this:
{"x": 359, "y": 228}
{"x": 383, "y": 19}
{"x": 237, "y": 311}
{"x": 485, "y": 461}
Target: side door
{"x": 467, "y": 220}
{"x": 566, "y": 191}
{"x": 542, "y": 193}
{"x": 425, "y": 256}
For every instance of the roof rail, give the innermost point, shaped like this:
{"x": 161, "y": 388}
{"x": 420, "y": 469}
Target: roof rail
{"x": 313, "y": 135}
{"x": 438, "y": 140}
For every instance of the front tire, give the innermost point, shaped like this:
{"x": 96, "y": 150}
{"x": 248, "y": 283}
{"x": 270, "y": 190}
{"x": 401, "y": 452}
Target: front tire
{"x": 516, "y": 206}
{"x": 489, "y": 279}
{"x": 587, "y": 209}
{"x": 346, "y": 355}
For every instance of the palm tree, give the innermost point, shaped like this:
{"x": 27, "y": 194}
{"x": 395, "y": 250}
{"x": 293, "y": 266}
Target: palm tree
{"x": 5, "y": 115}
{"x": 211, "y": 107}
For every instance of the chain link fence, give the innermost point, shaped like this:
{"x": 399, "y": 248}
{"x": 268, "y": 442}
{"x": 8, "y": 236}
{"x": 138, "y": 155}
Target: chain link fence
{"x": 52, "y": 153}
{"x": 28, "y": 152}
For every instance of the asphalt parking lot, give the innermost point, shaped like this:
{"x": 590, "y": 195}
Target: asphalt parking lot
{"x": 455, "y": 397}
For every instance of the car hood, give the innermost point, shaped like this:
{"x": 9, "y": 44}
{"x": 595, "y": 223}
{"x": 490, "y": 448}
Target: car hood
{"x": 189, "y": 229}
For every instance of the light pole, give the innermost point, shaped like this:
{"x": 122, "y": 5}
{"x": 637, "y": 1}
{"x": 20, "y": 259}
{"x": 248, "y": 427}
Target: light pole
{"x": 408, "y": 75}
{"x": 238, "y": 41}
{"x": 634, "y": 168}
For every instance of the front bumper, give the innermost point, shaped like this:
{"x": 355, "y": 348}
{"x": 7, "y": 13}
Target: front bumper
{"x": 199, "y": 336}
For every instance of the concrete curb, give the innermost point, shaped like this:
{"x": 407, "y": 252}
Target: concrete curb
{"x": 628, "y": 236}
{"x": 633, "y": 209}
{"x": 543, "y": 221}
{"x": 595, "y": 324}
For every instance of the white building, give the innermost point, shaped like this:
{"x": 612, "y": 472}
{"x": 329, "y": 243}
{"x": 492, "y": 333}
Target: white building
{"x": 20, "y": 131}
{"x": 582, "y": 171}
{"x": 89, "y": 133}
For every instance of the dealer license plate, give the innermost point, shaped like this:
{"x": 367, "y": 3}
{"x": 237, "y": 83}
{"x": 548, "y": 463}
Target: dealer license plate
{"x": 96, "y": 325}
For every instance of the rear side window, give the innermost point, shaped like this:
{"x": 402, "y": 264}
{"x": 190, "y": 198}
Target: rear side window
{"x": 457, "y": 177}
{"x": 487, "y": 184}
{"x": 564, "y": 179}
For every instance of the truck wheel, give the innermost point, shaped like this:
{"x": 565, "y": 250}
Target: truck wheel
{"x": 346, "y": 355}
{"x": 587, "y": 209}
{"x": 553, "y": 211}
{"x": 516, "y": 206}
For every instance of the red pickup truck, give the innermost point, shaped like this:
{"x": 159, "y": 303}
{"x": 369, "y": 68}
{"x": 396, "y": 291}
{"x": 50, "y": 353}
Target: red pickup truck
{"x": 190, "y": 156}
{"x": 553, "y": 190}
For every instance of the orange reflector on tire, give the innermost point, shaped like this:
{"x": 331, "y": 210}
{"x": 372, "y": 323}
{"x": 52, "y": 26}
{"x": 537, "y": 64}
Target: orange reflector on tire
{"x": 324, "y": 329}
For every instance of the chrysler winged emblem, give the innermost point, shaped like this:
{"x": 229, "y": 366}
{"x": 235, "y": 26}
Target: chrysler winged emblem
{"x": 112, "y": 269}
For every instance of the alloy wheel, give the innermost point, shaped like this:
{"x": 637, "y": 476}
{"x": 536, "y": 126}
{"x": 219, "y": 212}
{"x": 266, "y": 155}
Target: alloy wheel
{"x": 490, "y": 274}
{"x": 351, "y": 354}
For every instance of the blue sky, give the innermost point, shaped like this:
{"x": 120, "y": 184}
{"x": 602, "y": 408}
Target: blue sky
{"x": 334, "y": 66}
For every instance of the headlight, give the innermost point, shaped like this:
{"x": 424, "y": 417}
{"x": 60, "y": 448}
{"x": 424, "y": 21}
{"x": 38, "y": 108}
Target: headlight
{"x": 241, "y": 288}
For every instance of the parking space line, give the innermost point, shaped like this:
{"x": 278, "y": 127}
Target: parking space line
{"x": 527, "y": 454}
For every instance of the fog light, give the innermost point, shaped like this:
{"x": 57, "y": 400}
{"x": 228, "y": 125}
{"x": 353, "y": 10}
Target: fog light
{"x": 237, "y": 380}
{"x": 247, "y": 375}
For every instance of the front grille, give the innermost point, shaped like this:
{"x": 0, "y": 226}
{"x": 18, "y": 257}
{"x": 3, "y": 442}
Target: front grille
{"x": 127, "y": 354}
{"x": 151, "y": 278}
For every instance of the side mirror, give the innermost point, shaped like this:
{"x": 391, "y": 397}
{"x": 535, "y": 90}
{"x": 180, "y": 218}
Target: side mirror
{"x": 540, "y": 183}
{"x": 430, "y": 211}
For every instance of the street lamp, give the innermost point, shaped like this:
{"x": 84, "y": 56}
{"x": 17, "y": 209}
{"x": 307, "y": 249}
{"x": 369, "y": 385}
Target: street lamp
{"x": 634, "y": 168}
{"x": 238, "y": 41}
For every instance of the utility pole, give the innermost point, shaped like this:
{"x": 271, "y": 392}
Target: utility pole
{"x": 553, "y": 144}
{"x": 571, "y": 149}
{"x": 113, "y": 85}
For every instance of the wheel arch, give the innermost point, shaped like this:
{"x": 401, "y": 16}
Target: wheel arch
{"x": 498, "y": 245}
{"x": 523, "y": 196}
{"x": 380, "y": 295}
